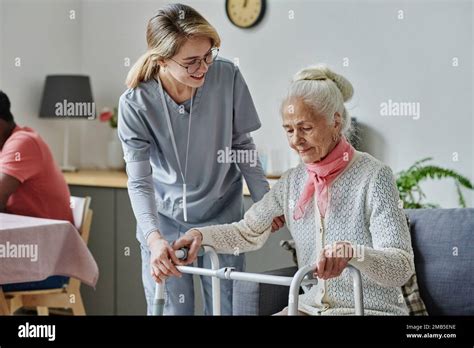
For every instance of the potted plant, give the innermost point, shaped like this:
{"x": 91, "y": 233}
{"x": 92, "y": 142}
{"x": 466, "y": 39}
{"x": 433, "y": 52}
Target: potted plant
{"x": 110, "y": 116}
{"x": 408, "y": 183}
{"x": 114, "y": 147}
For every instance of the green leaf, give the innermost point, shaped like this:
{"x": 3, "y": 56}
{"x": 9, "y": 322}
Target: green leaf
{"x": 408, "y": 183}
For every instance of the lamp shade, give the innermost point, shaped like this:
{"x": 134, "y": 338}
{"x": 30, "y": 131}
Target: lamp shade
{"x": 67, "y": 96}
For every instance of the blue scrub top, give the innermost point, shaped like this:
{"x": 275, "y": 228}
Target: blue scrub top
{"x": 223, "y": 116}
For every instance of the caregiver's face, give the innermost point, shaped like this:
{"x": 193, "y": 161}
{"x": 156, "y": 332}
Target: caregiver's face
{"x": 192, "y": 51}
{"x": 309, "y": 134}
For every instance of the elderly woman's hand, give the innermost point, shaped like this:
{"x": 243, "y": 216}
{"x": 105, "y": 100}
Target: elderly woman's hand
{"x": 192, "y": 240}
{"x": 278, "y": 223}
{"x": 333, "y": 260}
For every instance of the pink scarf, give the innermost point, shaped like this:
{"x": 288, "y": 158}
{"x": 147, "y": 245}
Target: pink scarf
{"x": 321, "y": 175}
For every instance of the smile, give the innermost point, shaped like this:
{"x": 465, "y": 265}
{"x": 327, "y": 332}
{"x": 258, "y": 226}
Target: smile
{"x": 198, "y": 77}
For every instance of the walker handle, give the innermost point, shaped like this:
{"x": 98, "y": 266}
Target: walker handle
{"x": 182, "y": 254}
{"x": 159, "y": 299}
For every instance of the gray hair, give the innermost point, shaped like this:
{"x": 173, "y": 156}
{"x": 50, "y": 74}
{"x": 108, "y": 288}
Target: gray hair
{"x": 324, "y": 92}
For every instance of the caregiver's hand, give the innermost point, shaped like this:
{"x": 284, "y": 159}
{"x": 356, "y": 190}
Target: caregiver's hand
{"x": 162, "y": 258}
{"x": 192, "y": 240}
{"x": 278, "y": 223}
{"x": 333, "y": 259}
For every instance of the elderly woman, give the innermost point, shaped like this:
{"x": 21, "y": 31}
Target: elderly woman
{"x": 341, "y": 207}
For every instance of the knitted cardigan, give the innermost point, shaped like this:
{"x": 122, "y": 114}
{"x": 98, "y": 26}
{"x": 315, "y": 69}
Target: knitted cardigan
{"x": 363, "y": 209}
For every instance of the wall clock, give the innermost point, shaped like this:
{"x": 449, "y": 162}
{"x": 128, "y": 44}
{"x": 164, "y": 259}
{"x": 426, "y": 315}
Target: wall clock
{"x": 245, "y": 13}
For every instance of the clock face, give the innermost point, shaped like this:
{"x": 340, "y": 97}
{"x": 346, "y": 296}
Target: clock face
{"x": 245, "y": 13}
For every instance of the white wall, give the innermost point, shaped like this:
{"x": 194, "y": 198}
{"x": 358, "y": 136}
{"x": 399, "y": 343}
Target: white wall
{"x": 113, "y": 31}
{"x": 407, "y": 60}
{"x": 42, "y": 35}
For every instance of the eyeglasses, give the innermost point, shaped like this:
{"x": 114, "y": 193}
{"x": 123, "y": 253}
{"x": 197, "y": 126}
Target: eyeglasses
{"x": 194, "y": 66}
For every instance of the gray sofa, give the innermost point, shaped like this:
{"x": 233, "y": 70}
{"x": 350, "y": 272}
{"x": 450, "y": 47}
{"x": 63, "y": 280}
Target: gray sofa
{"x": 443, "y": 244}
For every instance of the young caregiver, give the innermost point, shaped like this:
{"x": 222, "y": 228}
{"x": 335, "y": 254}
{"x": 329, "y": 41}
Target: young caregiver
{"x": 181, "y": 108}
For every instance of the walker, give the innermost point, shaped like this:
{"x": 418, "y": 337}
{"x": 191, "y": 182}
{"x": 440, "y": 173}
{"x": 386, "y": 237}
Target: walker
{"x": 303, "y": 277}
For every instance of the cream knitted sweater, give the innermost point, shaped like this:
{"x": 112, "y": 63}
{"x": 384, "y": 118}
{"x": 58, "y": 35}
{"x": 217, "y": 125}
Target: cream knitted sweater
{"x": 363, "y": 209}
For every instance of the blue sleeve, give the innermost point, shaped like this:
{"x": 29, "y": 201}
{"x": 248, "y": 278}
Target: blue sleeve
{"x": 245, "y": 115}
{"x": 252, "y": 169}
{"x": 136, "y": 145}
{"x": 245, "y": 121}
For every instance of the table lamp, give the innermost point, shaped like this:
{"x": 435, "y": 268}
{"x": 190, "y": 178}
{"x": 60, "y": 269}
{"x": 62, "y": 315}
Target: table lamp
{"x": 67, "y": 96}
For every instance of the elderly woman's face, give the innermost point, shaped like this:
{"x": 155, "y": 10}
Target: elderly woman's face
{"x": 309, "y": 134}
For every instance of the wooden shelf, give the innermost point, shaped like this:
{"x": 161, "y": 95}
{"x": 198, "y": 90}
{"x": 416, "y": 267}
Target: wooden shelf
{"x": 97, "y": 178}
{"x": 113, "y": 179}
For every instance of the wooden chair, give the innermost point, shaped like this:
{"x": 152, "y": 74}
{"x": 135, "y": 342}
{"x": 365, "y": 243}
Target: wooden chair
{"x": 68, "y": 296}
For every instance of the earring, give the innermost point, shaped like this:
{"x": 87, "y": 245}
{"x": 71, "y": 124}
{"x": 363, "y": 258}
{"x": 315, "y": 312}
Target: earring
{"x": 334, "y": 138}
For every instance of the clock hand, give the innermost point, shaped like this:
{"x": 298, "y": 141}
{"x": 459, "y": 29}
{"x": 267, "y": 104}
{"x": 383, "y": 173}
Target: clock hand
{"x": 245, "y": 3}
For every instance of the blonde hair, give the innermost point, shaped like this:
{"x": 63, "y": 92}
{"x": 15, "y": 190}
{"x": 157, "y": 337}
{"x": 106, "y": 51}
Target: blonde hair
{"x": 324, "y": 92}
{"x": 166, "y": 33}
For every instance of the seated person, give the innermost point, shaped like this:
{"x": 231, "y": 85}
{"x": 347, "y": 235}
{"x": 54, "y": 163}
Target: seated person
{"x": 340, "y": 205}
{"x": 30, "y": 181}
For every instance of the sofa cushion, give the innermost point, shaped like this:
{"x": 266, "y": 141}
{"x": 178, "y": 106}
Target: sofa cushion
{"x": 411, "y": 292}
{"x": 443, "y": 240}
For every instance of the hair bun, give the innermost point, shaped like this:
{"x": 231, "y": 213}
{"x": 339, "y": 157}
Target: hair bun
{"x": 321, "y": 72}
